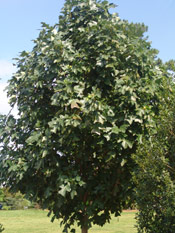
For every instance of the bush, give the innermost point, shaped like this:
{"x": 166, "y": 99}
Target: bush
{"x": 13, "y": 201}
{"x": 17, "y": 204}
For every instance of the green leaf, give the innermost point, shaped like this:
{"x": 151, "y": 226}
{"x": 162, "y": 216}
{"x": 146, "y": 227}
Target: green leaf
{"x": 45, "y": 152}
{"x": 127, "y": 143}
{"x": 74, "y": 104}
{"x": 33, "y": 138}
{"x": 63, "y": 190}
{"x": 123, "y": 128}
{"x": 116, "y": 130}
{"x": 73, "y": 194}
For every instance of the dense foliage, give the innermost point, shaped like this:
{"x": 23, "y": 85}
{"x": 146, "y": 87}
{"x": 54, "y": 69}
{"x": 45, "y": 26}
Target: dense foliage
{"x": 86, "y": 94}
{"x": 13, "y": 201}
{"x": 154, "y": 176}
{"x": 155, "y": 193}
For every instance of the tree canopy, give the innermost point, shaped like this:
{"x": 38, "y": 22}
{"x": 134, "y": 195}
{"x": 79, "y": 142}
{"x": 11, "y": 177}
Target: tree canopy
{"x": 85, "y": 94}
{"x": 154, "y": 175}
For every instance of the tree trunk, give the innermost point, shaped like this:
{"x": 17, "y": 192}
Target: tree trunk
{"x": 84, "y": 229}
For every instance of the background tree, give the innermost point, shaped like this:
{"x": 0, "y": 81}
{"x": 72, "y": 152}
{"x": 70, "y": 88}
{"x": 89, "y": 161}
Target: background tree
{"x": 2, "y": 125}
{"x": 155, "y": 192}
{"x": 155, "y": 173}
{"x": 85, "y": 94}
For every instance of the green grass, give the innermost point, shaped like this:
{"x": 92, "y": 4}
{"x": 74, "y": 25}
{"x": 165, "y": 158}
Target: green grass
{"x": 36, "y": 221}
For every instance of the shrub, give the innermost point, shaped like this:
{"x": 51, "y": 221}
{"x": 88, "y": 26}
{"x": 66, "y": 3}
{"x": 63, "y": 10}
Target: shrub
{"x": 13, "y": 201}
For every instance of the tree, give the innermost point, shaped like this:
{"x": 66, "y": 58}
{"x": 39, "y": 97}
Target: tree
{"x": 155, "y": 191}
{"x": 154, "y": 175}
{"x": 85, "y": 94}
{"x": 2, "y": 118}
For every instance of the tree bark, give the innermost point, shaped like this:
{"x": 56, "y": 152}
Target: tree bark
{"x": 84, "y": 229}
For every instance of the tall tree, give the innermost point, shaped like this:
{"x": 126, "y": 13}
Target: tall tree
{"x": 154, "y": 175}
{"x": 85, "y": 94}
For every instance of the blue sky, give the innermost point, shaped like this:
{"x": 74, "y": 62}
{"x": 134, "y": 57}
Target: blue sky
{"x": 20, "y": 21}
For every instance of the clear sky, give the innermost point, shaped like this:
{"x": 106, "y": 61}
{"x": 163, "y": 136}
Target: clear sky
{"x": 20, "y": 23}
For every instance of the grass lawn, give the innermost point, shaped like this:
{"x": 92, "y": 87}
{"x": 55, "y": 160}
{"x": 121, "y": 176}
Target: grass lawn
{"x": 36, "y": 221}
